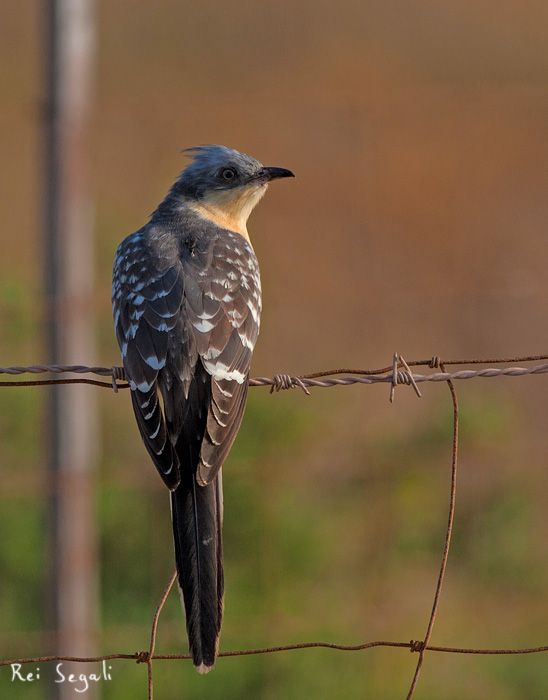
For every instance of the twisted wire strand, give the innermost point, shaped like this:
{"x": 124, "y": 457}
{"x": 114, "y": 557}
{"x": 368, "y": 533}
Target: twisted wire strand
{"x": 77, "y": 369}
{"x": 403, "y": 377}
{"x": 285, "y": 381}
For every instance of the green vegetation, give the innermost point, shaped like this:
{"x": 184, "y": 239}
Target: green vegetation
{"x": 345, "y": 553}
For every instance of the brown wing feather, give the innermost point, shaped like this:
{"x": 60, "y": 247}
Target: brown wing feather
{"x": 223, "y": 422}
{"x": 223, "y": 307}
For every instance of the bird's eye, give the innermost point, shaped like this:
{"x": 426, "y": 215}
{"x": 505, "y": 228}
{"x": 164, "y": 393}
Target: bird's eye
{"x": 228, "y": 174}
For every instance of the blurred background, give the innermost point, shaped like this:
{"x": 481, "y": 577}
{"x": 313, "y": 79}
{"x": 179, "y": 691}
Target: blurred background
{"x": 418, "y": 222}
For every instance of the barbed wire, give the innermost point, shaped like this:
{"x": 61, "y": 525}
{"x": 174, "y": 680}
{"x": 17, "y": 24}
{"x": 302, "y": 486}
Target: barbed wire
{"x": 393, "y": 375}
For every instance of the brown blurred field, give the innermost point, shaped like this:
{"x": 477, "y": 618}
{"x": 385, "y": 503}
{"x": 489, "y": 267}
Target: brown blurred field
{"x": 418, "y": 222}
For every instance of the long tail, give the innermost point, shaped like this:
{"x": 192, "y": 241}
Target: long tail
{"x": 197, "y": 515}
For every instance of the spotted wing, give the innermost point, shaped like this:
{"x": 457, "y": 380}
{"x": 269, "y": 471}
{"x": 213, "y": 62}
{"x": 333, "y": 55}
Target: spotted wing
{"x": 147, "y": 293}
{"x": 223, "y": 305}
{"x": 187, "y": 318}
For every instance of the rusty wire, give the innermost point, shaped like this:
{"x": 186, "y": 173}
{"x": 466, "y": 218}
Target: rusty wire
{"x": 422, "y": 646}
{"x": 393, "y": 375}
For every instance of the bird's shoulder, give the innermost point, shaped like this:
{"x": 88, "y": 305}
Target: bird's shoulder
{"x": 186, "y": 241}
{"x": 183, "y": 265}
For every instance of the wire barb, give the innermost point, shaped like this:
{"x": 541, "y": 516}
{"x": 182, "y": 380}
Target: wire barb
{"x": 285, "y": 381}
{"x": 118, "y": 375}
{"x": 411, "y": 378}
{"x": 402, "y": 377}
{"x": 394, "y": 377}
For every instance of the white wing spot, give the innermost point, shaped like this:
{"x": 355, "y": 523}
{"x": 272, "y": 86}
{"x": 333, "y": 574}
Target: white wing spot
{"x": 203, "y": 326}
{"x": 246, "y": 342}
{"x": 254, "y": 311}
{"x": 220, "y": 371}
{"x": 155, "y": 433}
{"x": 154, "y": 362}
{"x": 205, "y": 315}
{"x": 211, "y": 353}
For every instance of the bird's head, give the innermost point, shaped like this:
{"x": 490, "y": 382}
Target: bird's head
{"x": 224, "y": 185}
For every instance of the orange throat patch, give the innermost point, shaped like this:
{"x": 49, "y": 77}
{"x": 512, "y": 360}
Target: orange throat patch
{"x": 230, "y": 209}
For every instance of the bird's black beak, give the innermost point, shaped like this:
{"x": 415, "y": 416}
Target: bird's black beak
{"x": 269, "y": 173}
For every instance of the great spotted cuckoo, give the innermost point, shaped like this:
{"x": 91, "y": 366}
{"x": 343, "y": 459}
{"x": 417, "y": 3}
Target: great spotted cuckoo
{"x": 186, "y": 298}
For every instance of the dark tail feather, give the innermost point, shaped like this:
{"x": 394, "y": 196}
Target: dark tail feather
{"x": 197, "y": 515}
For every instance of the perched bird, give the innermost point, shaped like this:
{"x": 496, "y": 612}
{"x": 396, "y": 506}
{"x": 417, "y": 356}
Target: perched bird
{"x": 186, "y": 298}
